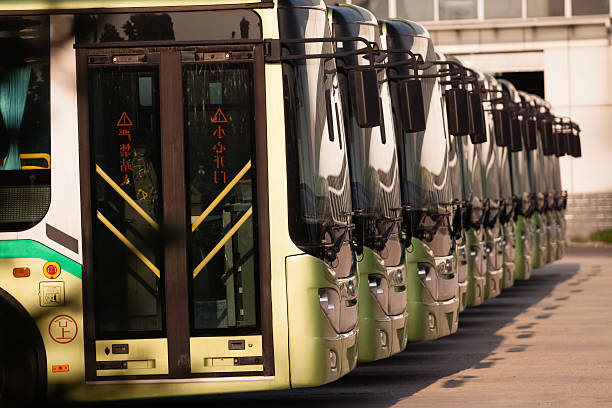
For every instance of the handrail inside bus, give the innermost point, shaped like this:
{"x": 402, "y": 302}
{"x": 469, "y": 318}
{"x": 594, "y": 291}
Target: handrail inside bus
{"x": 128, "y": 244}
{"x": 30, "y": 156}
{"x": 223, "y": 241}
{"x": 220, "y": 197}
{"x": 127, "y": 198}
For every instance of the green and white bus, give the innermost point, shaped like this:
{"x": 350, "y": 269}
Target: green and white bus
{"x": 426, "y": 189}
{"x": 375, "y": 188}
{"x": 175, "y": 218}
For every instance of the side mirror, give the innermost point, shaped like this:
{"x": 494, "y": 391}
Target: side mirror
{"x": 569, "y": 139}
{"x": 529, "y": 134}
{"x": 516, "y": 139}
{"x": 577, "y": 147}
{"x": 478, "y": 132}
{"x": 412, "y": 110}
{"x": 501, "y": 122}
{"x": 363, "y": 85}
{"x": 560, "y": 149}
{"x": 457, "y": 111}
{"x": 546, "y": 133}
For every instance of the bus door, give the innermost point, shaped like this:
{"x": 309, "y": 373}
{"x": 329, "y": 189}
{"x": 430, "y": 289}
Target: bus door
{"x": 176, "y": 259}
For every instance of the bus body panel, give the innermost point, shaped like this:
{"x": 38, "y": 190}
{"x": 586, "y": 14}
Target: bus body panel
{"x": 522, "y": 257}
{"x": 477, "y": 275}
{"x": 317, "y": 353}
{"x": 494, "y": 264}
{"x": 380, "y": 335}
{"x": 508, "y": 257}
{"x": 432, "y": 312}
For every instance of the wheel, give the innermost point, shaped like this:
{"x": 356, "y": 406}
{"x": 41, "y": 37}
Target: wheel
{"x": 20, "y": 365}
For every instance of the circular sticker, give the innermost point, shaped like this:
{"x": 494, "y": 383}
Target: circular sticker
{"x": 63, "y": 329}
{"x": 52, "y": 270}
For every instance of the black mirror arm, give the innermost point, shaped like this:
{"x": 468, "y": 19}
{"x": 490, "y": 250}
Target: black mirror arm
{"x": 407, "y": 225}
{"x": 276, "y": 46}
{"x": 457, "y": 227}
{"x": 358, "y": 238}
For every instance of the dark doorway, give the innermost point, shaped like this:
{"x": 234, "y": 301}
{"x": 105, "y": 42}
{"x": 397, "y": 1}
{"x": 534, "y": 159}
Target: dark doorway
{"x": 531, "y": 82}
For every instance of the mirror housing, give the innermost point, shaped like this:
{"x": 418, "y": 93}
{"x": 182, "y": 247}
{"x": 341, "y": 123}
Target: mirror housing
{"x": 569, "y": 141}
{"x": 363, "y": 86}
{"x": 457, "y": 111}
{"x": 560, "y": 149}
{"x": 530, "y": 134}
{"x": 501, "y": 122}
{"x": 577, "y": 150}
{"x": 546, "y": 134}
{"x": 478, "y": 132}
{"x": 412, "y": 109}
{"x": 516, "y": 139}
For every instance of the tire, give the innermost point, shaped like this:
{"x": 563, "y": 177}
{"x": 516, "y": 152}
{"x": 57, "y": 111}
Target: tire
{"x": 21, "y": 367}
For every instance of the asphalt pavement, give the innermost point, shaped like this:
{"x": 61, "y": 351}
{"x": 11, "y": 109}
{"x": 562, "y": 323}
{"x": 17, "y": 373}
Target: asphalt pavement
{"x": 544, "y": 342}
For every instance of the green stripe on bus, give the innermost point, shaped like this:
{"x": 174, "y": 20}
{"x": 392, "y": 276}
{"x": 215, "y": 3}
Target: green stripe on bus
{"x": 36, "y": 250}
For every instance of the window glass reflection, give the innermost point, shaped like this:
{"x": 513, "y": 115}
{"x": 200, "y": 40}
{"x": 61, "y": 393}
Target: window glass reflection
{"x": 458, "y": 9}
{"x": 502, "y": 9}
{"x": 423, "y": 11}
{"x": 219, "y": 129}
{"x": 179, "y": 26}
{"x": 589, "y": 7}
{"x": 545, "y": 8}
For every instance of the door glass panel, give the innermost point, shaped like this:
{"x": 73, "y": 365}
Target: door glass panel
{"x": 219, "y": 127}
{"x": 127, "y": 205}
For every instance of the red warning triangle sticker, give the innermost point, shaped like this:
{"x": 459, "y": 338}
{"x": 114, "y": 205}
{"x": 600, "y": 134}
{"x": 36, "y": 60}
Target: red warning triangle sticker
{"x": 219, "y": 117}
{"x": 124, "y": 120}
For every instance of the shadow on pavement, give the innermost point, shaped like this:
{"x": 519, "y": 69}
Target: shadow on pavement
{"x": 383, "y": 383}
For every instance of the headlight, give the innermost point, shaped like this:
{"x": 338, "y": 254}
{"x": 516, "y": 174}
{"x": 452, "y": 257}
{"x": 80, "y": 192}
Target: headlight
{"x": 329, "y": 300}
{"x": 423, "y": 270}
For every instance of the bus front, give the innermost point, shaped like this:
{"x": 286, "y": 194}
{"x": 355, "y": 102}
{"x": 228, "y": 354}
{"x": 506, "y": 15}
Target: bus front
{"x": 375, "y": 187}
{"x": 521, "y": 189}
{"x": 426, "y": 192}
{"x": 179, "y": 221}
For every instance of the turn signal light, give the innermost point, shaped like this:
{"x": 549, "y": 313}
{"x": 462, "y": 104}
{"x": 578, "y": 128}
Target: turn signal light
{"x": 21, "y": 272}
{"x": 64, "y": 368}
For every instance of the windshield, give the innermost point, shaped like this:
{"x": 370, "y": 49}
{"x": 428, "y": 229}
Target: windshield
{"x": 423, "y": 155}
{"x": 536, "y": 165}
{"x": 520, "y": 180}
{"x": 504, "y": 174}
{"x": 492, "y": 188}
{"x": 372, "y": 156}
{"x": 470, "y": 168}
{"x": 317, "y": 165}
{"x": 556, "y": 173}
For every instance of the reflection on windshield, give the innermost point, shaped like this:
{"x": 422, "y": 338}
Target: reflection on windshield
{"x": 520, "y": 179}
{"x": 470, "y": 167}
{"x": 536, "y": 164}
{"x": 179, "y": 26}
{"x": 316, "y": 155}
{"x": 489, "y": 162}
{"x": 373, "y": 159}
{"x": 423, "y": 155}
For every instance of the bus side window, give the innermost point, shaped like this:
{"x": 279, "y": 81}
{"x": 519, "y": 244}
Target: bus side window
{"x": 25, "y": 129}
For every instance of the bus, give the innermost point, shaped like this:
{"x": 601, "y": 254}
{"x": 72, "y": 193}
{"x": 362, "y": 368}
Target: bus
{"x": 426, "y": 190}
{"x": 495, "y": 239}
{"x": 535, "y": 167}
{"x": 493, "y": 108}
{"x": 175, "y": 219}
{"x": 375, "y": 188}
{"x": 524, "y": 204}
{"x": 545, "y": 129}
